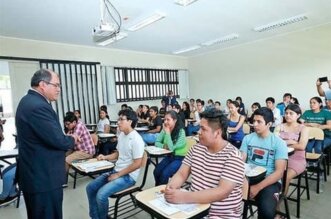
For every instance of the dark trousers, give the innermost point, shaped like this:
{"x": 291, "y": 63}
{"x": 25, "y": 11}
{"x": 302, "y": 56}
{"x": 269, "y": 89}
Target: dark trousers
{"x": 267, "y": 200}
{"x": 166, "y": 169}
{"x": 44, "y": 205}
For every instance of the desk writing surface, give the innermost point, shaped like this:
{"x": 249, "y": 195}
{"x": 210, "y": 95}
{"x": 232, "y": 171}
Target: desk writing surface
{"x": 153, "y": 150}
{"x": 8, "y": 153}
{"x": 148, "y": 197}
{"x": 92, "y": 165}
{"x": 106, "y": 135}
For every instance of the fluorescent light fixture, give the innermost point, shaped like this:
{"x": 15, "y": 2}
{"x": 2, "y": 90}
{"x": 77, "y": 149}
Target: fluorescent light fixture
{"x": 184, "y": 2}
{"x": 187, "y": 49}
{"x": 221, "y": 40}
{"x": 280, "y": 23}
{"x": 147, "y": 21}
{"x": 116, "y": 37}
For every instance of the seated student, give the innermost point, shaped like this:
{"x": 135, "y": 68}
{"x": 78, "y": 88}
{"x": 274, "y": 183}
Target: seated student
{"x": 85, "y": 148}
{"x": 172, "y": 137}
{"x": 316, "y": 117}
{"x": 296, "y": 136}
{"x": 154, "y": 126}
{"x": 286, "y": 101}
{"x": 195, "y": 126}
{"x": 216, "y": 169}
{"x": 242, "y": 110}
{"x": 144, "y": 115}
{"x": 77, "y": 114}
{"x": 162, "y": 109}
{"x": 186, "y": 110}
{"x": 218, "y": 105}
{"x": 263, "y": 148}
{"x": 9, "y": 190}
{"x": 235, "y": 127}
{"x": 178, "y": 110}
{"x": 278, "y": 119}
{"x": 250, "y": 118}
{"x": 103, "y": 125}
{"x": 129, "y": 155}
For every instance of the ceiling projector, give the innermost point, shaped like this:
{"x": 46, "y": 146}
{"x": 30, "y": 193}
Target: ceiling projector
{"x": 104, "y": 30}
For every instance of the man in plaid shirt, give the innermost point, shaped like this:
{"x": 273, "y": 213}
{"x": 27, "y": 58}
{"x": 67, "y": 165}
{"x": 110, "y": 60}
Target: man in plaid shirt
{"x": 85, "y": 148}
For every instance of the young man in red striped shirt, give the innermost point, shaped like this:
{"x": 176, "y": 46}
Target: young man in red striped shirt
{"x": 216, "y": 168}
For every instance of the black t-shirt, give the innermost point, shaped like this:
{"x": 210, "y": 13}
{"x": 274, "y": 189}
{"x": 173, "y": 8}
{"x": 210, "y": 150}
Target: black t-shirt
{"x": 157, "y": 121}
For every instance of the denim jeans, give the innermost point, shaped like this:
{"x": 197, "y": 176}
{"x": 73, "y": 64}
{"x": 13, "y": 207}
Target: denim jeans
{"x": 267, "y": 200}
{"x": 166, "y": 169}
{"x": 191, "y": 128}
{"x": 327, "y": 142}
{"x": 149, "y": 138}
{"x": 314, "y": 144}
{"x": 8, "y": 186}
{"x": 100, "y": 189}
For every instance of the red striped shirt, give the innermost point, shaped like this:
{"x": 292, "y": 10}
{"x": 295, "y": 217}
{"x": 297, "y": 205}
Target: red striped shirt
{"x": 208, "y": 169}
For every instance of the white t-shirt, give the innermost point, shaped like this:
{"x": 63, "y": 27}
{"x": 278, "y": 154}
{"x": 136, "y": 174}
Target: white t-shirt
{"x": 278, "y": 118}
{"x": 101, "y": 125}
{"x": 129, "y": 147}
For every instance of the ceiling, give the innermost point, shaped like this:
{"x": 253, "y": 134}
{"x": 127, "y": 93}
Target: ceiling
{"x": 71, "y": 21}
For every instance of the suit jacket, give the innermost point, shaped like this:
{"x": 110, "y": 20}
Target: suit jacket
{"x": 41, "y": 144}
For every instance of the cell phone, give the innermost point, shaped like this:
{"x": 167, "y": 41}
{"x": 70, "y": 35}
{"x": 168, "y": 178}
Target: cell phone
{"x": 323, "y": 79}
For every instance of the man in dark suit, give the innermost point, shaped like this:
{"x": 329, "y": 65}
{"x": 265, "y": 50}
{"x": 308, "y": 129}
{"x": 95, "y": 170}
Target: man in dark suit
{"x": 42, "y": 146}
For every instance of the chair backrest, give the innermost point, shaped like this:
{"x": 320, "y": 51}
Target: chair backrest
{"x": 144, "y": 167}
{"x": 190, "y": 141}
{"x": 315, "y": 133}
{"x": 95, "y": 139}
{"x": 246, "y": 129}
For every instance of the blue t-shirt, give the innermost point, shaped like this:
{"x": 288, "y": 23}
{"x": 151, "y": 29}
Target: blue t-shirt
{"x": 264, "y": 151}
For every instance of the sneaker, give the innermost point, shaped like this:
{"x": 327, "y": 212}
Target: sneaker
{"x": 8, "y": 200}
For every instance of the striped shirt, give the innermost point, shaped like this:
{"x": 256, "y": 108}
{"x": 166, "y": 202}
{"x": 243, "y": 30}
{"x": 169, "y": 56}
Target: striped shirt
{"x": 207, "y": 169}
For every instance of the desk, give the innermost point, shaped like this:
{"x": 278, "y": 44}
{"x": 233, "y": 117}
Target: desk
{"x": 143, "y": 200}
{"x": 106, "y": 135}
{"x": 290, "y": 151}
{"x": 98, "y": 169}
{"x": 142, "y": 129}
{"x": 7, "y": 154}
{"x": 155, "y": 152}
{"x": 254, "y": 174}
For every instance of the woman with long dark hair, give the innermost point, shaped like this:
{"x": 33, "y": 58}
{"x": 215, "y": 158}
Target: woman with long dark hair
{"x": 295, "y": 135}
{"x": 172, "y": 137}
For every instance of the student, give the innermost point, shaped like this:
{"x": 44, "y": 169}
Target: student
{"x": 242, "y": 110}
{"x": 286, "y": 101}
{"x": 216, "y": 169}
{"x": 235, "y": 126}
{"x": 170, "y": 99}
{"x": 154, "y": 126}
{"x": 195, "y": 126}
{"x": 186, "y": 110}
{"x": 316, "y": 117}
{"x": 218, "y": 105}
{"x": 84, "y": 149}
{"x": 263, "y": 148}
{"x": 178, "y": 110}
{"x": 129, "y": 155}
{"x": 9, "y": 191}
{"x": 103, "y": 125}
{"x": 77, "y": 114}
{"x": 172, "y": 137}
{"x": 296, "y": 136}
{"x": 278, "y": 119}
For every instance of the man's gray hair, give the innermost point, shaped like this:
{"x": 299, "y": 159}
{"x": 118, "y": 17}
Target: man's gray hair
{"x": 40, "y": 75}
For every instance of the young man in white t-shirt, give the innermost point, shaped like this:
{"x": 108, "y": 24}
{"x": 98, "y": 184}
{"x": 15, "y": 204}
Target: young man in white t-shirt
{"x": 216, "y": 169}
{"x": 129, "y": 155}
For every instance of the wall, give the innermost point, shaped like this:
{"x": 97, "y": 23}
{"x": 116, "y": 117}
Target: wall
{"x": 48, "y": 50}
{"x": 290, "y": 63}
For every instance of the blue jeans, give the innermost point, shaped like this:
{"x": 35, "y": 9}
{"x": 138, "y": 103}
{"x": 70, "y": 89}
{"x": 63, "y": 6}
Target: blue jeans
{"x": 8, "y": 186}
{"x": 327, "y": 142}
{"x": 191, "y": 128}
{"x": 149, "y": 138}
{"x": 100, "y": 189}
{"x": 166, "y": 169}
{"x": 316, "y": 144}
{"x": 267, "y": 201}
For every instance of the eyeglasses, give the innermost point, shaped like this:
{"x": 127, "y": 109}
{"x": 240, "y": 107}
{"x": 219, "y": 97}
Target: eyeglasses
{"x": 54, "y": 85}
{"x": 121, "y": 119}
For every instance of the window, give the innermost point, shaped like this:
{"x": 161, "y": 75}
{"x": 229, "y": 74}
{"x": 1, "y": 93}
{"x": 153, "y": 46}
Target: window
{"x": 134, "y": 84}
{"x": 78, "y": 90}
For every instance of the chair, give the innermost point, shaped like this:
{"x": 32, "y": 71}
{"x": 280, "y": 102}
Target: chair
{"x": 126, "y": 206}
{"x": 95, "y": 140}
{"x": 248, "y": 203}
{"x": 246, "y": 128}
{"x": 299, "y": 192}
{"x": 315, "y": 160}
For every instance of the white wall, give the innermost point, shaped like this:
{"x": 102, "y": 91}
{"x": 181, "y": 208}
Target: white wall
{"x": 48, "y": 50}
{"x": 290, "y": 63}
